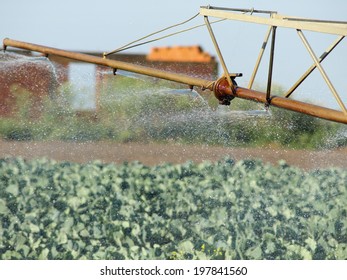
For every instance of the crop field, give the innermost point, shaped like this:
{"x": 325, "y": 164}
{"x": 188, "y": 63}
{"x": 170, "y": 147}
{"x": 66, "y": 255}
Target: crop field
{"x": 223, "y": 210}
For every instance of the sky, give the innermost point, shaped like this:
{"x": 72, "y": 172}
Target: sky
{"x": 104, "y": 25}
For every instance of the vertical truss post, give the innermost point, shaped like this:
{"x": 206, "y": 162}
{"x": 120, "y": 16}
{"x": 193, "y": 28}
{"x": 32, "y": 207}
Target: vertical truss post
{"x": 260, "y": 56}
{"x": 219, "y": 53}
{"x": 322, "y": 71}
{"x": 313, "y": 67}
{"x": 272, "y": 54}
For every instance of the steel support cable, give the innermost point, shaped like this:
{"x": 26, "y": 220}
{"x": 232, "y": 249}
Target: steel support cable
{"x": 151, "y": 34}
{"x": 131, "y": 44}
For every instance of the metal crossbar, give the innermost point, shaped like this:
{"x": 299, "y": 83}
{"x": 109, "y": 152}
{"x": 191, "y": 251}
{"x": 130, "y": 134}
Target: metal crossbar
{"x": 330, "y": 27}
{"x": 252, "y": 11}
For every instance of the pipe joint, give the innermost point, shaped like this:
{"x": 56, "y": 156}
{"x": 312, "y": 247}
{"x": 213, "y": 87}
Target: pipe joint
{"x": 222, "y": 90}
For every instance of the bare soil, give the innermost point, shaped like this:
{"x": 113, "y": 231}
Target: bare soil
{"x": 153, "y": 154}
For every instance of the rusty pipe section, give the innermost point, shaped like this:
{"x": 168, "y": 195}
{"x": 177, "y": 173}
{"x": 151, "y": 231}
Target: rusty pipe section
{"x": 293, "y": 105}
{"x": 221, "y": 87}
{"x": 222, "y": 92}
{"x": 180, "y": 78}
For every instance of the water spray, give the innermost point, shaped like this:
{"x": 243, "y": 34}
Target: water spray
{"x": 225, "y": 88}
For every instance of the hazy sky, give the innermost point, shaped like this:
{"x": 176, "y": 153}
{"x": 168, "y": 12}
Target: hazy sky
{"x": 104, "y": 25}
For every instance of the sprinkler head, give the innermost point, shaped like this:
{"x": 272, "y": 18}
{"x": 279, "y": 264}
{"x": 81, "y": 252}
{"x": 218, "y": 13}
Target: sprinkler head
{"x": 222, "y": 90}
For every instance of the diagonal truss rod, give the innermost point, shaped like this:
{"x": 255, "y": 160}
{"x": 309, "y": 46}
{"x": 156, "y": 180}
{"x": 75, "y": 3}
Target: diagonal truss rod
{"x": 322, "y": 71}
{"x": 260, "y": 57}
{"x": 313, "y": 67}
{"x": 316, "y": 64}
{"x": 219, "y": 53}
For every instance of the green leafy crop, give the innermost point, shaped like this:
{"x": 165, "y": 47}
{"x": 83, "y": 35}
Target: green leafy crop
{"x": 222, "y": 210}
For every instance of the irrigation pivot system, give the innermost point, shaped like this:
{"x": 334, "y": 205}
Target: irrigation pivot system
{"x": 225, "y": 88}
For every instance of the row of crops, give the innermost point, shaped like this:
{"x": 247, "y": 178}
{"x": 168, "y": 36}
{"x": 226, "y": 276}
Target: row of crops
{"x": 221, "y": 210}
